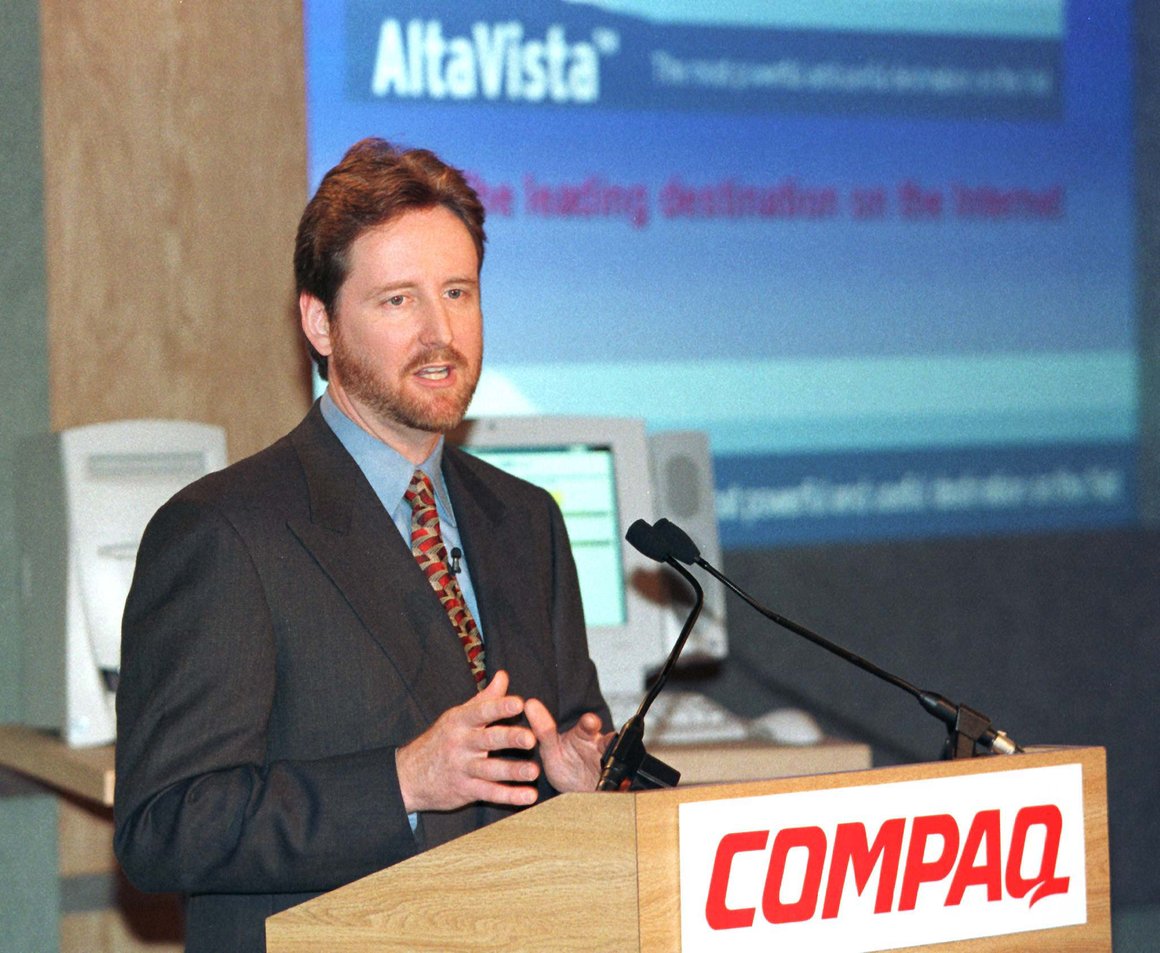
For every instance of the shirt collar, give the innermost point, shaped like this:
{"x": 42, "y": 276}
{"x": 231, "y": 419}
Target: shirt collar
{"x": 387, "y": 470}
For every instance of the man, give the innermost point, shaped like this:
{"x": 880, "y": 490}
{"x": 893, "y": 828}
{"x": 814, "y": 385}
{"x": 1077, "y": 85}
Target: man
{"x": 311, "y": 687}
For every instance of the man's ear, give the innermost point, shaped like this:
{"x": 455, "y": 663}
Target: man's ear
{"x": 315, "y": 323}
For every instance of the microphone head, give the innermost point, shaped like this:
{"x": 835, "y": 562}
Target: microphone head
{"x": 676, "y": 542}
{"x": 647, "y": 541}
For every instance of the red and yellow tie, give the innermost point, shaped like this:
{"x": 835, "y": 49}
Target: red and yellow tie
{"x": 431, "y": 554}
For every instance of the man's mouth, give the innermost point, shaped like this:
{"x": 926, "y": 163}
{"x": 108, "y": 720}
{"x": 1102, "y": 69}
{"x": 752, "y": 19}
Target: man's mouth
{"x": 434, "y": 372}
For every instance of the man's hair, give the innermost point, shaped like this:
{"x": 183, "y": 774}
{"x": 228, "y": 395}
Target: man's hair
{"x": 374, "y": 184}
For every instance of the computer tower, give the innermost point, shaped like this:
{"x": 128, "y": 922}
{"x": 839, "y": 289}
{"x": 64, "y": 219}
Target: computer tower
{"x": 84, "y": 496}
{"x": 684, "y": 492}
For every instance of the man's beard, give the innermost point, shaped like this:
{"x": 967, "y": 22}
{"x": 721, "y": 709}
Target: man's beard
{"x": 436, "y": 411}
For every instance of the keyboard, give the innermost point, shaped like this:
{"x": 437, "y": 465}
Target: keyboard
{"x": 682, "y": 717}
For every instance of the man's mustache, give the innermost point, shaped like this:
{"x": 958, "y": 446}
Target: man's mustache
{"x": 435, "y": 355}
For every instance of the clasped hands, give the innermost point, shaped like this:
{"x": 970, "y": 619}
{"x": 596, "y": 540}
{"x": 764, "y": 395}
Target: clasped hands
{"x": 449, "y": 765}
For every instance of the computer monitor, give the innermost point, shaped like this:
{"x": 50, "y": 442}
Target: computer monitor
{"x": 597, "y": 469}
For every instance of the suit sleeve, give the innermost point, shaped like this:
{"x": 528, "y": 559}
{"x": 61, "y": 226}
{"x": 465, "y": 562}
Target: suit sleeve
{"x": 199, "y": 807}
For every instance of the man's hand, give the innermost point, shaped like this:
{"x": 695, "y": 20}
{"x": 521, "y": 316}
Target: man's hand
{"x": 448, "y": 765}
{"x": 571, "y": 760}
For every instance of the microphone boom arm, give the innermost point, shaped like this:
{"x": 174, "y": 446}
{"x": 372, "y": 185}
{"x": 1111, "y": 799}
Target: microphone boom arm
{"x": 626, "y": 764}
{"x": 675, "y": 653}
{"x": 965, "y": 726}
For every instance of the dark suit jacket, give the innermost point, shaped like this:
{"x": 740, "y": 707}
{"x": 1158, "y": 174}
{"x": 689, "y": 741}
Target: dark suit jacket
{"x": 280, "y": 642}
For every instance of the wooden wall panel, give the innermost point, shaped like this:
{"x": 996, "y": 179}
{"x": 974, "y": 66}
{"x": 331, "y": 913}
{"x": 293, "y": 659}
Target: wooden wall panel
{"x": 174, "y": 165}
{"x": 175, "y": 172}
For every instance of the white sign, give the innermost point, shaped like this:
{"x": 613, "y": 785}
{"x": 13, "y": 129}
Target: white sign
{"x": 883, "y": 866}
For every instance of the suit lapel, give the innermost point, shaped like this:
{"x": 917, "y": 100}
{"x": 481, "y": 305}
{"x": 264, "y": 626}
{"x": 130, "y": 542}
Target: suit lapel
{"x": 496, "y": 540}
{"x": 356, "y": 545}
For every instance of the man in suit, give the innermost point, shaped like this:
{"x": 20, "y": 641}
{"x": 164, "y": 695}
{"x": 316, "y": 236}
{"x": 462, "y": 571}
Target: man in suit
{"x": 308, "y": 693}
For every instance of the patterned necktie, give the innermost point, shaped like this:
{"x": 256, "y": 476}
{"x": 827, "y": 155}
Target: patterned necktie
{"x": 429, "y": 551}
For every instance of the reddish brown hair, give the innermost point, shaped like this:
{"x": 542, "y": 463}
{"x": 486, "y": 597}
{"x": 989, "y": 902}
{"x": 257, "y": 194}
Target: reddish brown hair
{"x": 372, "y": 185}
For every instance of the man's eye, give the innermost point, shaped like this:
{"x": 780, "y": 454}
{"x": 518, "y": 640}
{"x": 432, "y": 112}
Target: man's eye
{"x": 455, "y": 293}
{"x": 396, "y": 301}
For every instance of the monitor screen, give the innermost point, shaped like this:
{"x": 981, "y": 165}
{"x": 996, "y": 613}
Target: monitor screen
{"x": 880, "y": 252}
{"x": 582, "y": 481}
{"x": 598, "y": 471}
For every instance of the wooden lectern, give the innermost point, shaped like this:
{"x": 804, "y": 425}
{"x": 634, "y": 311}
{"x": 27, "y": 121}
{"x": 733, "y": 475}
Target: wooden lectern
{"x": 600, "y": 872}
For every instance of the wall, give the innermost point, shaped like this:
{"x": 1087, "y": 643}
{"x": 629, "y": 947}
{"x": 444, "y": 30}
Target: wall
{"x": 27, "y": 817}
{"x": 1053, "y": 637}
{"x": 1147, "y": 128}
{"x": 24, "y": 383}
{"x": 153, "y": 170}
{"x": 174, "y": 172}
{"x": 148, "y": 275}
{"x": 151, "y": 186}
{"x": 1056, "y": 637}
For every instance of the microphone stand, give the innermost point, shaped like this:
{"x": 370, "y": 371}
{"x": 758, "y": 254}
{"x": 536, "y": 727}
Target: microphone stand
{"x": 966, "y": 727}
{"x": 626, "y": 765}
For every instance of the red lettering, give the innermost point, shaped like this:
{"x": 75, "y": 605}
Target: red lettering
{"x": 979, "y": 864}
{"x": 813, "y": 839}
{"x": 1045, "y": 882}
{"x": 984, "y": 833}
{"x": 717, "y": 915}
{"x": 919, "y": 870}
{"x": 851, "y": 850}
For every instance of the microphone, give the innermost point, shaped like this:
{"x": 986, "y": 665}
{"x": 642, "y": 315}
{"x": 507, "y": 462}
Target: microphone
{"x": 648, "y": 542}
{"x": 965, "y": 726}
{"x": 626, "y": 764}
{"x": 456, "y": 554}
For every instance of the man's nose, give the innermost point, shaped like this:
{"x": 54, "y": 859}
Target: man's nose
{"x": 437, "y": 329}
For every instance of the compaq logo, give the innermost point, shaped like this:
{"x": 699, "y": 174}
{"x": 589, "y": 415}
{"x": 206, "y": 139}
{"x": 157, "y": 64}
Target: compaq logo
{"x": 885, "y": 866}
{"x": 496, "y": 61}
{"x": 984, "y": 860}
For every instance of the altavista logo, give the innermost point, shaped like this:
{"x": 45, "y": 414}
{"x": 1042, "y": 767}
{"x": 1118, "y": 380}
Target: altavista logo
{"x": 495, "y": 62}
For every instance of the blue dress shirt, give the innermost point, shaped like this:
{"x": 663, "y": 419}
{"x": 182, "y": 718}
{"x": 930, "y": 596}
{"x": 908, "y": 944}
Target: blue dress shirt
{"x": 389, "y": 474}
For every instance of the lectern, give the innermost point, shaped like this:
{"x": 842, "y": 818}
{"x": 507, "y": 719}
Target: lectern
{"x": 984, "y": 847}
